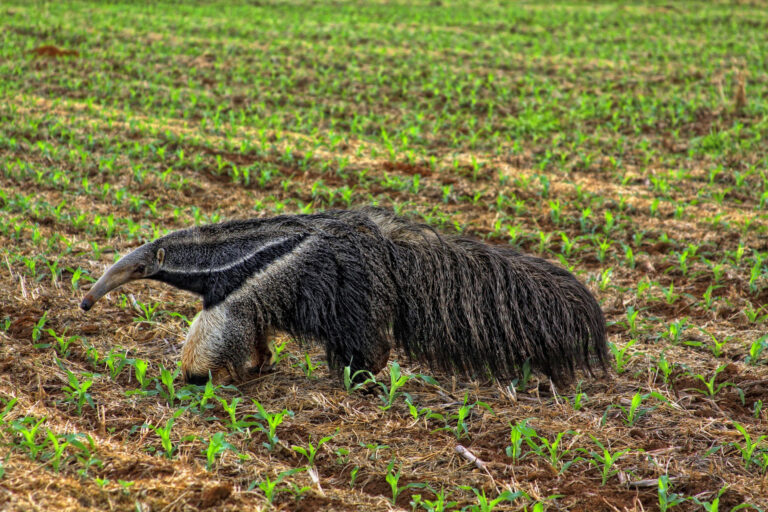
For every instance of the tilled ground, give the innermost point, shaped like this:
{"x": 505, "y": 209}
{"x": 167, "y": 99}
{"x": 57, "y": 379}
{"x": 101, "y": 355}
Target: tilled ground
{"x": 642, "y": 170}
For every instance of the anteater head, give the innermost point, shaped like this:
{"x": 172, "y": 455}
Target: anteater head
{"x": 224, "y": 264}
{"x": 144, "y": 262}
{"x": 210, "y": 261}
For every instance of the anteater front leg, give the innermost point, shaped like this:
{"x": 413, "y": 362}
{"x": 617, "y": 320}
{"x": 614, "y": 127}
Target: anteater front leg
{"x": 222, "y": 338}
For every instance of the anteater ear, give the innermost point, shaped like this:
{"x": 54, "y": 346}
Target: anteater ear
{"x": 160, "y": 256}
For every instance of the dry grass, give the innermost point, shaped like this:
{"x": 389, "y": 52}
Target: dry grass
{"x": 110, "y": 121}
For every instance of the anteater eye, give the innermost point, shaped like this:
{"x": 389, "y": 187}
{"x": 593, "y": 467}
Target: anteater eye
{"x": 140, "y": 269}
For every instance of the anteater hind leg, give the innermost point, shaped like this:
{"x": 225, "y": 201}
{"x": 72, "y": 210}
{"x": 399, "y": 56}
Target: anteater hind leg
{"x": 372, "y": 358}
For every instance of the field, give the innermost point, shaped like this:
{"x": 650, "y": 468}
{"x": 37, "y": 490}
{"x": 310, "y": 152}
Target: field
{"x": 626, "y": 142}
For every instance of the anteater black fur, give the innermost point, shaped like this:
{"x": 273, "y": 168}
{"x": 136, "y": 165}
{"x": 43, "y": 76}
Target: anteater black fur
{"x": 362, "y": 281}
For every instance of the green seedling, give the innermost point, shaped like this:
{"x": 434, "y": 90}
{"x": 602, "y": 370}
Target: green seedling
{"x": 217, "y": 444}
{"x": 126, "y": 485}
{"x": 522, "y": 382}
{"x": 230, "y": 408}
{"x": 393, "y": 478}
{"x": 552, "y": 451}
{"x": 164, "y": 433}
{"x": 669, "y": 294}
{"x": 166, "y": 387}
{"x": 439, "y": 504}
{"x": 77, "y": 392}
{"x": 353, "y": 476}
{"x": 37, "y": 329}
{"x": 714, "y": 505}
{"x": 149, "y": 313}
{"x": 140, "y": 371}
{"x": 85, "y": 452}
{"x": 63, "y": 342}
{"x": 486, "y": 505}
{"x": 8, "y": 405}
{"x": 311, "y": 450}
{"x": 756, "y": 349}
{"x": 747, "y": 450}
{"x": 604, "y": 460}
{"x": 716, "y": 347}
{"x": 273, "y": 421}
{"x": 663, "y": 367}
{"x": 579, "y": 399}
{"x": 519, "y": 433}
{"x": 27, "y": 428}
{"x": 711, "y": 388}
{"x": 57, "y": 444}
{"x": 374, "y": 448}
{"x": 667, "y": 498}
{"x": 353, "y": 382}
{"x": 396, "y": 381}
{"x": 675, "y": 330}
{"x": 621, "y": 356}
{"x": 308, "y": 367}
{"x": 116, "y": 362}
{"x": 634, "y": 412}
{"x": 279, "y": 352}
{"x": 456, "y": 423}
{"x": 77, "y": 274}
{"x": 269, "y": 487}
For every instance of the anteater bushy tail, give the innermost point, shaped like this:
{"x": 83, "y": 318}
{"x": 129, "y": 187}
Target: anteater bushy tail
{"x": 478, "y": 309}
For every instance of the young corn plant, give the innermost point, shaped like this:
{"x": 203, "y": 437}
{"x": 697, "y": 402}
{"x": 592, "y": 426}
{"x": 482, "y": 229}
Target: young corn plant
{"x": 164, "y": 432}
{"x": 307, "y": 366}
{"x": 165, "y": 387}
{"x": 273, "y": 421}
{"x": 360, "y": 379}
{"x": 621, "y": 356}
{"x": 310, "y": 452}
{"x": 374, "y": 448}
{"x": 116, "y": 362}
{"x": 663, "y": 367}
{"x": 667, "y": 498}
{"x": 140, "y": 367}
{"x": 456, "y": 423}
{"x": 711, "y": 387}
{"x": 604, "y": 459}
{"x": 634, "y": 412}
{"x": 552, "y": 451}
{"x": 579, "y": 399}
{"x": 396, "y": 381}
{"x": 716, "y": 346}
{"x": 756, "y": 349}
{"x": 217, "y": 444}
{"x": 484, "y": 504}
{"x": 519, "y": 433}
{"x": 57, "y": 445}
{"x": 27, "y": 428}
{"x": 7, "y": 406}
{"x": 269, "y": 487}
{"x": 63, "y": 342}
{"x": 714, "y": 505}
{"x": 77, "y": 392}
{"x": 234, "y": 424}
{"x": 393, "y": 478}
{"x": 439, "y": 504}
{"x": 749, "y": 447}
